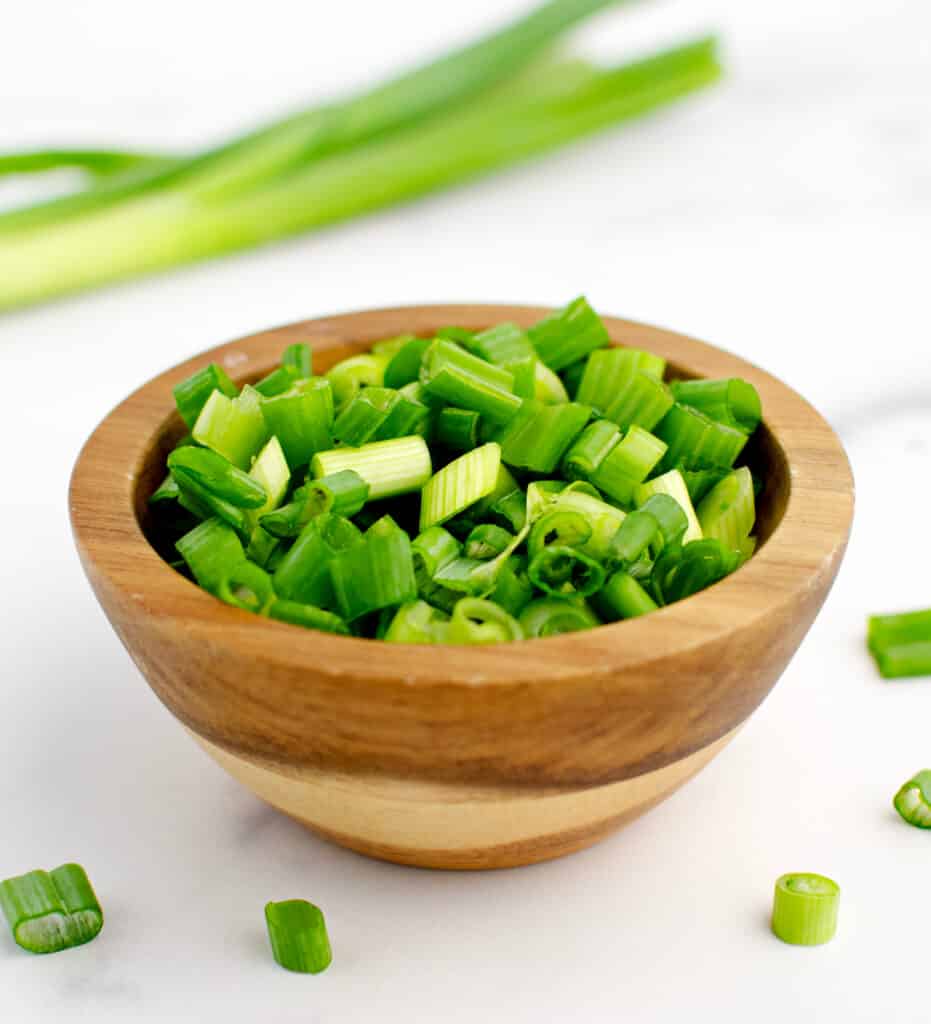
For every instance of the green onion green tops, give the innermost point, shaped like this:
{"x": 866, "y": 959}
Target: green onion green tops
{"x": 805, "y": 909}
{"x": 298, "y": 936}
{"x": 51, "y": 911}
{"x": 445, "y": 489}
{"x": 901, "y": 644}
{"x": 913, "y": 800}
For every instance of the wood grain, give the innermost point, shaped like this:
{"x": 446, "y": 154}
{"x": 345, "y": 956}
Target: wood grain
{"x": 563, "y": 715}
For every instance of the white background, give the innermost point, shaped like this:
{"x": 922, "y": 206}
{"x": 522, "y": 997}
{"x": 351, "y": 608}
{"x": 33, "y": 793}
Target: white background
{"x": 785, "y": 216}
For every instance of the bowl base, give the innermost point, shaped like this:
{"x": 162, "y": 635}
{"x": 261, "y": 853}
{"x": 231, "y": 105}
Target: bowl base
{"x": 456, "y": 826}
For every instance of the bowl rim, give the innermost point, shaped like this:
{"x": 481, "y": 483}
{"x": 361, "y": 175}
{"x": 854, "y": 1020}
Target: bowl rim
{"x": 802, "y": 549}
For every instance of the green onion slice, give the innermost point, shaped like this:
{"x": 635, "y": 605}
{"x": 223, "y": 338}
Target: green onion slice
{"x": 217, "y": 475}
{"x": 298, "y": 936}
{"x": 551, "y": 616}
{"x": 913, "y": 800}
{"x": 562, "y": 571}
{"x": 482, "y": 622}
{"x": 51, "y": 911}
{"x": 805, "y": 909}
{"x": 460, "y": 484}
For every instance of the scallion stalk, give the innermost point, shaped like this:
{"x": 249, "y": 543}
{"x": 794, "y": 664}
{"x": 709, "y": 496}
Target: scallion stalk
{"x": 457, "y": 429}
{"x": 609, "y": 370}
{"x": 298, "y": 936}
{"x": 209, "y": 550}
{"x": 468, "y": 382}
{"x": 376, "y": 573}
{"x": 460, "y": 484}
{"x": 304, "y": 573}
{"x": 569, "y": 334}
{"x": 733, "y": 402}
{"x": 302, "y": 420}
{"x": 363, "y": 415}
{"x": 217, "y": 475}
{"x": 49, "y": 911}
{"x": 390, "y": 468}
{"x": 640, "y": 400}
{"x": 697, "y": 442}
{"x": 539, "y": 435}
{"x": 191, "y": 394}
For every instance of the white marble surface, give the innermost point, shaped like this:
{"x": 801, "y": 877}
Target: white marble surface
{"x": 785, "y": 216}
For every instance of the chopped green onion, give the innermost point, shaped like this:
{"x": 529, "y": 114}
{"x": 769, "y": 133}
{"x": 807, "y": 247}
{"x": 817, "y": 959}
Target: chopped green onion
{"x": 417, "y": 623}
{"x": 343, "y": 493}
{"x": 605, "y": 520}
{"x": 565, "y": 572}
{"x": 432, "y": 549}
{"x": 539, "y": 435}
{"x": 262, "y": 545}
{"x": 209, "y": 550}
{"x": 49, "y": 911}
{"x": 700, "y": 481}
{"x": 246, "y": 586}
{"x": 745, "y": 550}
{"x": 466, "y": 381}
{"x": 270, "y": 471}
{"x": 204, "y": 504}
{"x": 894, "y": 630}
{"x": 404, "y": 364}
{"x": 805, "y": 909}
{"x": 167, "y": 490}
{"x": 513, "y": 589}
{"x": 672, "y": 483}
{"x": 511, "y": 510}
{"x": 502, "y": 344}
{"x": 697, "y": 442}
{"x": 487, "y": 541}
{"x": 569, "y": 334}
{"x": 552, "y": 616}
{"x": 482, "y": 622}
{"x": 376, "y": 574}
{"x": 301, "y": 419}
{"x": 640, "y": 400}
{"x": 280, "y": 380}
{"x": 572, "y": 377}
{"x": 217, "y": 475}
{"x": 306, "y": 615}
{"x": 304, "y": 572}
{"x": 563, "y": 527}
{"x": 547, "y": 386}
{"x": 680, "y": 572}
{"x": 363, "y": 415}
{"x": 298, "y": 936}
{"x": 457, "y": 428}
{"x": 460, "y": 484}
{"x": 232, "y": 427}
{"x": 348, "y": 376}
{"x": 727, "y": 511}
{"x": 899, "y": 661}
{"x": 299, "y": 357}
{"x": 406, "y": 417}
{"x": 607, "y": 371}
{"x": 390, "y": 468}
{"x": 628, "y": 464}
{"x": 191, "y": 395}
{"x": 589, "y": 450}
{"x": 733, "y": 402}
{"x": 913, "y": 800}
{"x": 622, "y": 597}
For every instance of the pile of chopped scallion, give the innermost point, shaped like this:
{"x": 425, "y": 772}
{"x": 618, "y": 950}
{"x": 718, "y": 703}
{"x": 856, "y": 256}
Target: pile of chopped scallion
{"x": 467, "y": 488}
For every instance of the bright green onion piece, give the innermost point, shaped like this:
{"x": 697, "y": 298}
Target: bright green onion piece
{"x": 727, "y": 511}
{"x": 376, "y": 574}
{"x": 247, "y": 586}
{"x": 563, "y": 527}
{"x": 404, "y": 363}
{"x": 609, "y": 370}
{"x": 306, "y": 615}
{"x": 697, "y": 442}
{"x": 363, "y": 415}
{"x": 475, "y": 621}
{"x": 572, "y": 377}
{"x": 304, "y": 573}
{"x": 569, "y": 334}
{"x": 432, "y": 549}
{"x": 552, "y": 616}
{"x": 204, "y": 504}
{"x": 390, "y": 468}
{"x": 270, "y": 471}
{"x": 680, "y": 572}
{"x": 486, "y": 541}
{"x": 167, "y": 490}
{"x": 745, "y": 550}
{"x": 298, "y": 936}
{"x": 511, "y": 510}
{"x": 548, "y": 388}
{"x": 733, "y": 402}
{"x": 280, "y": 380}
{"x": 913, "y": 800}
{"x": 343, "y": 493}
{"x": 457, "y": 428}
{"x": 51, "y": 911}
{"x": 639, "y": 400}
{"x": 210, "y": 550}
{"x": 605, "y": 520}
{"x": 900, "y": 661}
{"x": 513, "y": 589}
{"x": 466, "y": 381}
{"x": 463, "y": 482}
{"x": 503, "y": 344}
{"x": 299, "y": 357}
{"x": 589, "y": 450}
{"x": 301, "y": 419}
{"x": 622, "y": 597}
{"x": 406, "y": 417}
{"x": 563, "y": 571}
{"x": 700, "y": 481}
{"x": 350, "y": 375}
{"x": 628, "y": 464}
{"x": 417, "y": 623}
{"x": 672, "y": 483}
{"x": 191, "y": 395}
{"x": 894, "y": 630}
{"x": 217, "y": 475}
{"x": 232, "y": 427}
{"x": 539, "y": 435}
{"x": 805, "y": 909}
{"x": 262, "y": 545}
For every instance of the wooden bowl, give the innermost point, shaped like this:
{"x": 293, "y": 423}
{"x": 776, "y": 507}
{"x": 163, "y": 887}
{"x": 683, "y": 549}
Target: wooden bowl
{"x": 457, "y": 757}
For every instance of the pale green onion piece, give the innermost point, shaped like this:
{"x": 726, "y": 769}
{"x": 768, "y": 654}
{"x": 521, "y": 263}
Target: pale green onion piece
{"x": 913, "y": 800}
{"x": 270, "y": 471}
{"x": 298, "y": 936}
{"x": 608, "y": 371}
{"x": 417, "y": 623}
{"x": 727, "y": 511}
{"x": 49, "y": 911}
{"x": 805, "y": 909}
{"x": 460, "y": 484}
{"x": 232, "y": 427}
{"x": 672, "y": 483}
{"x": 482, "y": 622}
{"x": 393, "y": 467}
{"x": 350, "y": 375}
{"x": 552, "y": 616}
{"x": 302, "y": 420}
{"x": 548, "y": 388}
{"x": 604, "y": 519}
